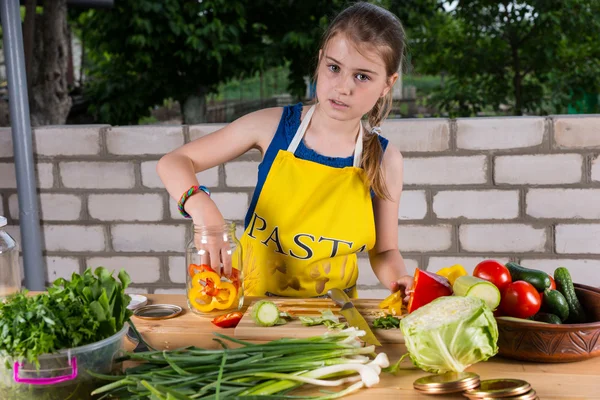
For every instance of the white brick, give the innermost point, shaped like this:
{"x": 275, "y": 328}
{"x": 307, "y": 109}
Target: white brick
{"x": 373, "y": 293}
{"x": 485, "y": 204}
{"x": 6, "y": 145}
{"x": 54, "y": 207}
{"x": 81, "y": 140}
{"x": 424, "y": 238}
{"x": 136, "y": 290}
{"x": 170, "y": 291}
{"x": 177, "y": 269}
{"x": 418, "y": 134}
{"x": 502, "y": 238}
{"x": 74, "y": 238}
{"x": 596, "y": 169}
{"x": 45, "y": 177}
{"x": 582, "y": 271}
{"x": 578, "y": 238}
{"x": 208, "y": 178}
{"x": 126, "y": 207}
{"x": 8, "y": 178}
{"x": 538, "y": 169}
{"x": 197, "y": 131}
{"x": 499, "y": 133}
{"x": 233, "y": 206}
{"x": 140, "y": 269}
{"x": 136, "y": 140}
{"x": 148, "y": 238}
{"x": 413, "y": 205}
{"x": 437, "y": 263}
{"x": 241, "y": 174}
{"x": 579, "y": 132}
{"x": 97, "y": 175}
{"x": 366, "y": 276}
{"x": 445, "y": 170}
{"x": 564, "y": 203}
{"x": 61, "y": 267}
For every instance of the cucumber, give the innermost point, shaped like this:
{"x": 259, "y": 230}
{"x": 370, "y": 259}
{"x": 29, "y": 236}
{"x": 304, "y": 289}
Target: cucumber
{"x": 555, "y": 303}
{"x": 472, "y": 286}
{"x": 564, "y": 284}
{"x": 539, "y": 279}
{"x": 265, "y": 313}
{"x": 546, "y": 317}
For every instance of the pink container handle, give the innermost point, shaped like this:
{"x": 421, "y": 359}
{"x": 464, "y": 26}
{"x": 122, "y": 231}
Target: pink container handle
{"x": 46, "y": 381}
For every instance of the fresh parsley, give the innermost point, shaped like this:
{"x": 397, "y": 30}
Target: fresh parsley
{"x": 387, "y": 322}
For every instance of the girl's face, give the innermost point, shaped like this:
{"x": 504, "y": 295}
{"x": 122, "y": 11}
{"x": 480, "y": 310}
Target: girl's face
{"x": 350, "y": 81}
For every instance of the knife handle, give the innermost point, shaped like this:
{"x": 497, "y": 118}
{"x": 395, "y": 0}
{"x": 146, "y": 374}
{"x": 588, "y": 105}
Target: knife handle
{"x": 338, "y": 296}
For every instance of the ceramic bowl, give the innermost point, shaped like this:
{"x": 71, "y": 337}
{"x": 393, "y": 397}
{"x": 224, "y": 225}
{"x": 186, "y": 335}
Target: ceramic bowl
{"x": 553, "y": 343}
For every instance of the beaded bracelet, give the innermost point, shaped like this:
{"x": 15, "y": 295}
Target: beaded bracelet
{"x": 191, "y": 191}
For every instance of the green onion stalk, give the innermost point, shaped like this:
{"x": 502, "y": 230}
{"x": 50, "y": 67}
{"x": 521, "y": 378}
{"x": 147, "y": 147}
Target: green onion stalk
{"x": 268, "y": 370}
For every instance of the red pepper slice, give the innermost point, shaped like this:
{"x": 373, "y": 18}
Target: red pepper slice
{"x": 427, "y": 287}
{"x": 229, "y": 320}
{"x": 193, "y": 269}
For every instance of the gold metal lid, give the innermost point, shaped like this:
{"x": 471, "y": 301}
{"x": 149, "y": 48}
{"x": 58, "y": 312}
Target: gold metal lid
{"x": 450, "y": 382}
{"x": 157, "y": 311}
{"x": 499, "y": 388}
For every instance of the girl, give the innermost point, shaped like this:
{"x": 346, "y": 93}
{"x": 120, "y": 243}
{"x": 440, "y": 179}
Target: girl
{"x": 328, "y": 187}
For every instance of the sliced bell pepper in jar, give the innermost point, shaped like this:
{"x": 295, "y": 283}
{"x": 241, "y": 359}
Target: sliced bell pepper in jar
{"x": 193, "y": 269}
{"x": 427, "y": 287}
{"x": 213, "y": 293}
{"x": 200, "y": 301}
{"x": 452, "y": 273}
{"x": 228, "y": 320}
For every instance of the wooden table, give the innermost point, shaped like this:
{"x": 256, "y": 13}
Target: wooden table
{"x": 579, "y": 380}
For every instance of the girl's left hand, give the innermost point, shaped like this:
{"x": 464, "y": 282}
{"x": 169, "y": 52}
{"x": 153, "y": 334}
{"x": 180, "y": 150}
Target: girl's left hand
{"x": 405, "y": 284}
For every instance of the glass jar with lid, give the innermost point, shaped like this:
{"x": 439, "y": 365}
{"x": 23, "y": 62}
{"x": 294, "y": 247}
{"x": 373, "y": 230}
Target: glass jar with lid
{"x": 10, "y": 273}
{"x": 211, "y": 290}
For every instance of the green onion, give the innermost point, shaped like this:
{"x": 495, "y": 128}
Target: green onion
{"x": 276, "y": 368}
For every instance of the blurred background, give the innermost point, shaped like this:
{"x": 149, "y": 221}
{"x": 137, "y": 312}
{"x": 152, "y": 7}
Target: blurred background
{"x": 129, "y": 62}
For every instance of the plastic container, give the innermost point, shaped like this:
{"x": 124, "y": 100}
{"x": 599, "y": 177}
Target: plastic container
{"x": 10, "y": 273}
{"x": 63, "y": 375}
{"x": 210, "y": 291}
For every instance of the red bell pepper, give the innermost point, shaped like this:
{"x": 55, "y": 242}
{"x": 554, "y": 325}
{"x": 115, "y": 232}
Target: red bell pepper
{"x": 229, "y": 320}
{"x": 427, "y": 287}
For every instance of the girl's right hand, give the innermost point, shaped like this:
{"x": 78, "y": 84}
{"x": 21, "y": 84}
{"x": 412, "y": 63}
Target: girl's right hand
{"x": 209, "y": 226}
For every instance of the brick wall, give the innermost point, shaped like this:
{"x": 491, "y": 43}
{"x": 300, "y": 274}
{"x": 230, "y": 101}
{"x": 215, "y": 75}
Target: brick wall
{"x": 524, "y": 189}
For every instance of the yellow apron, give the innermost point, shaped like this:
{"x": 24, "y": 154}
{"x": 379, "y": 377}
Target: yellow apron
{"x": 309, "y": 222}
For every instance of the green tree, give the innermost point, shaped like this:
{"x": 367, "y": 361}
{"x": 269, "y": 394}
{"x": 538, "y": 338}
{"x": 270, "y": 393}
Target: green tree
{"x": 144, "y": 51}
{"x": 529, "y": 55}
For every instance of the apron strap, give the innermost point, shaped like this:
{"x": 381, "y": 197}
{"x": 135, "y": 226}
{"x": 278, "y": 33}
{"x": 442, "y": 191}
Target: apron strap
{"x": 358, "y": 149}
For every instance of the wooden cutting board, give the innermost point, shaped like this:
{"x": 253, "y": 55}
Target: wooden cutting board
{"x": 248, "y": 330}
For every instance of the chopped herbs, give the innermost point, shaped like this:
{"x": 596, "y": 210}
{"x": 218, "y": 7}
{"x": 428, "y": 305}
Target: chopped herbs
{"x": 387, "y": 322}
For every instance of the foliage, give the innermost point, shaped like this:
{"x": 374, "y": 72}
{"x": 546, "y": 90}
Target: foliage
{"x": 532, "y": 56}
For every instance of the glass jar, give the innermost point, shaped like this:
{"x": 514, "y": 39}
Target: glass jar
{"x": 10, "y": 273}
{"x": 210, "y": 291}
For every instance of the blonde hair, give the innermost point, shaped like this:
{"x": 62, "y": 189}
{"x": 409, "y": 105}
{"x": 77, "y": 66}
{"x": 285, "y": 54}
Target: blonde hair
{"x": 367, "y": 24}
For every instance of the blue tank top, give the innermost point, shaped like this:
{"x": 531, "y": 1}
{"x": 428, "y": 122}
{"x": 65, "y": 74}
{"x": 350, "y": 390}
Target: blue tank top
{"x": 288, "y": 125}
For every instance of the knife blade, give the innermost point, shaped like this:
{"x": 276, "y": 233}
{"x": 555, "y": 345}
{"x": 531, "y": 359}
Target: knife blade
{"x": 352, "y": 315}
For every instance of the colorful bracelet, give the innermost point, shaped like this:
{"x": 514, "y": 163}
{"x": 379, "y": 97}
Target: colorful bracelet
{"x": 191, "y": 191}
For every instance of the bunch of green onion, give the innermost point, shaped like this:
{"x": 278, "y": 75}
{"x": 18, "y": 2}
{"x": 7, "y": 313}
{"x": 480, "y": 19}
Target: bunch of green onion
{"x": 268, "y": 370}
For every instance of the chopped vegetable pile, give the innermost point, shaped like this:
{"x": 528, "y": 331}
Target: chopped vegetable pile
{"x": 208, "y": 292}
{"x": 271, "y": 369}
{"x": 84, "y": 310}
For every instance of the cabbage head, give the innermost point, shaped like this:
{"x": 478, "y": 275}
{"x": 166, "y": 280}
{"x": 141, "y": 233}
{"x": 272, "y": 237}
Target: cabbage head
{"x": 450, "y": 334}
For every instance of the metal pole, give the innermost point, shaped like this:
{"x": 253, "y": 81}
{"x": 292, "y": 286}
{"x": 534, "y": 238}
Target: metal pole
{"x": 23, "y": 149}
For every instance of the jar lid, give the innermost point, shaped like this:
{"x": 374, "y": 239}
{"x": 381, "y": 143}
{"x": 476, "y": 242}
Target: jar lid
{"x": 498, "y": 388}
{"x": 449, "y": 382}
{"x": 157, "y": 311}
{"x": 137, "y": 301}
{"x": 3, "y": 221}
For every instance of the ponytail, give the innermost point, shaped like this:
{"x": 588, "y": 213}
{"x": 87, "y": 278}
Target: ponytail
{"x": 372, "y": 151}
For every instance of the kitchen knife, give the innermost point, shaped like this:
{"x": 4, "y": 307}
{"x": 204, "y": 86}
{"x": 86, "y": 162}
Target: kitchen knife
{"x": 352, "y": 315}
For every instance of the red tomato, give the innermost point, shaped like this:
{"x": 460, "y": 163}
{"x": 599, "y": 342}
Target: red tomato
{"x": 493, "y": 271}
{"x": 552, "y": 283}
{"x": 520, "y": 300}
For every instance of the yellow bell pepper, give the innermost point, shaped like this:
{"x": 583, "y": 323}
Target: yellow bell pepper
{"x": 452, "y": 273}
{"x": 391, "y": 299}
{"x": 209, "y": 293}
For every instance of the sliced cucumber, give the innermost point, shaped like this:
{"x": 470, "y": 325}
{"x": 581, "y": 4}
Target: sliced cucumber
{"x": 265, "y": 313}
{"x": 472, "y": 286}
